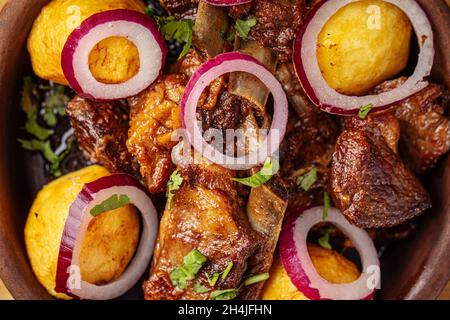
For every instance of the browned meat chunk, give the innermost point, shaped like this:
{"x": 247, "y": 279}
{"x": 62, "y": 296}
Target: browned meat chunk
{"x": 309, "y": 143}
{"x": 277, "y": 23}
{"x": 155, "y": 115}
{"x": 101, "y": 130}
{"x": 180, "y": 8}
{"x": 380, "y": 124}
{"x": 371, "y": 186}
{"x": 206, "y": 215}
{"x": 424, "y": 124}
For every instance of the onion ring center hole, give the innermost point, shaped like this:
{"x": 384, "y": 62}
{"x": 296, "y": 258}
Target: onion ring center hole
{"x": 333, "y": 267}
{"x": 235, "y": 101}
{"x": 109, "y": 245}
{"x": 114, "y": 60}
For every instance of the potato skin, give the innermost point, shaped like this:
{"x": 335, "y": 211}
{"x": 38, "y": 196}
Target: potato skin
{"x": 111, "y": 61}
{"x": 110, "y": 241}
{"x": 329, "y": 264}
{"x": 355, "y": 53}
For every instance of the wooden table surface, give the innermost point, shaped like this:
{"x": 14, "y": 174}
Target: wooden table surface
{"x": 5, "y": 295}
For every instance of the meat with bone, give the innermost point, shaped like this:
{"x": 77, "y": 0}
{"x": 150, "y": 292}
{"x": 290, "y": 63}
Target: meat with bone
{"x": 211, "y": 21}
{"x": 101, "y": 129}
{"x": 277, "y": 23}
{"x": 424, "y": 124}
{"x": 154, "y": 116}
{"x": 371, "y": 185}
{"x": 205, "y": 214}
{"x": 309, "y": 143}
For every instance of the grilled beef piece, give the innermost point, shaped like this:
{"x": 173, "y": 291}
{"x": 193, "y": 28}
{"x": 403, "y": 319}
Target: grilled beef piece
{"x": 310, "y": 138}
{"x": 380, "y": 124}
{"x": 101, "y": 130}
{"x": 154, "y": 116}
{"x": 206, "y": 214}
{"x": 370, "y": 184}
{"x": 180, "y": 8}
{"x": 277, "y": 23}
{"x": 424, "y": 124}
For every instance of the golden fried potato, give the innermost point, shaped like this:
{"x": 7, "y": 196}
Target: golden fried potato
{"x": 110, "y": 241}
{"x": 363, "y": 44}
{"x": 113, "y": 60}
{"x": 329, "y": 264}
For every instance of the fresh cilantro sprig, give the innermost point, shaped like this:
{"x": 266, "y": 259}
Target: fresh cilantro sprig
{"x": 54, "y": 105}
{"x": 326, "y": 205}
{"x": 324, "y": 240}
{"x": 192, "y": 263}
{"x": 307, "y": 180}
{"x": 242, "y": 27}
{"x": 256, "y": 278}
{"x": 30, "y": 105}
{"x": 365, "y": 110}
{"x": 114, "y": 202}
{"x": 45, "y": 148}
{"x": 270, "y": 168}
{"x": 179, "y": 30}
{"x": 173, "y": 185}
{"x": 227, "y": 294}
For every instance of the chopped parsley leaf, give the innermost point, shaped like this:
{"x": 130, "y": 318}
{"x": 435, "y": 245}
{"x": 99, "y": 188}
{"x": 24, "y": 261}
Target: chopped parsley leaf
{"x": 114, "y": 202}
{"x": 326, "y": 205}
{"x": 173, "y": 185}
{"x": 192, "y": 263}
{"x": 227, "y": 294}
{"x": 270, "y": 168}
{"x": 364, "y": 111}
{"x": 256, "y": 278}
{"x": 307, "y": 180}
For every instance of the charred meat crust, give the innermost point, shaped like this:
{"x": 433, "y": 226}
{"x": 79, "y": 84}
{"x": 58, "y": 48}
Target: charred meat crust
{"x": 205, "y": 215}
{"x": 277, "y": 23}
{"x": 424, "y": 124}
{"x": 370, "y": 184}
{"x": 101, "y": 129}
{"x": 154, "y": 116}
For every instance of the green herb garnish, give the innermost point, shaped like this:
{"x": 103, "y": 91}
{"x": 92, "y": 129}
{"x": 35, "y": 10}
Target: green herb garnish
{"x": 243, "y": 27}
{"x": 114, "y": 202}
{"x": 227, "y": 294}
{"x": 364, "y": 111}
{"x": 192, "y": 263}
{"x": 270, "y": 168}
{"x": 54, "y": 105}
{"x": 213, "y": 279}
{"x": 199, "y": 288}
{"x": 227, "y": 270}
{"x": 324, "y": 241}
{"x": 179, "y": 30}
{"x": 256, "y": 278}
{"x": 30, "y": 103}
{"x": 307, "y": 180}
{"x": 173, "y": 185}
{"x": 45, "y": 148}
{"x": 326, "y": 205}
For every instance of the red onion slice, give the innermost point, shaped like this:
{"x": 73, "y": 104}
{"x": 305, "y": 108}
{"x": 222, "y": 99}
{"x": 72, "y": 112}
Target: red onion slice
{"x": 77, "y": 222}
{"x": 329, "y": 100}
{"x": 227, "y": 3}
{"x": 299, "y": 267}
{"x": 132, "y": 25}
{"x": 205, "y": 74}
